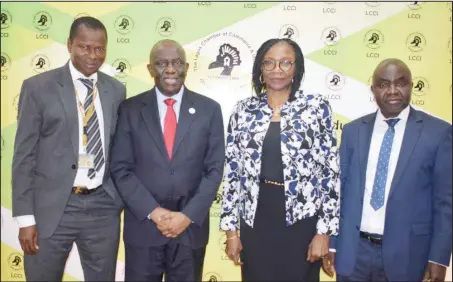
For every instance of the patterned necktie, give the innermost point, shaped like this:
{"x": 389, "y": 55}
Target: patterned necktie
{"x": 170, "y": 126}
{"x": 380, "y": 179}
{"x": 94, "y": 142}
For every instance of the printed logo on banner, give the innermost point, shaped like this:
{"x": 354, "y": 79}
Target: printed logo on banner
{"x": 331, "y": 36}
{"x": 40, "y": 63}
{"x": 42, "y": 21}
{"x": 222, "y": 241}
{"x": 5, "y": 19}
{"x": 373, "y": 39}
{"x": 5, "y": 62}
{"x": 421, "y": 86}
{"x": 289, "y": 31}
{"x": 122, "y": 68}
{"x": 16, "y": 261}
{"x": 373, "y": 4}
{"x": 335, "y": 81}
{"x": 16, "y": 102}
{"x": 449, "y": 44}
{"x": 124, "y": 24}
{"x": 224, "y": 61}
{"x": 83, "y": 14}
{"x": 416, "y": 42}
{"x": 416, "y": 5}
{"x": 217, "y": 203}
{"x": 212, "y": 277}
{"x": 449, "y": 6}
{"x": 165, "y": 27}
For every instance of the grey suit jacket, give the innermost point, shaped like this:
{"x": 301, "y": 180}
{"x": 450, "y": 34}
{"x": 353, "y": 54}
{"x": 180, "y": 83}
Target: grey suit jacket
{"x": 47, "y": 141}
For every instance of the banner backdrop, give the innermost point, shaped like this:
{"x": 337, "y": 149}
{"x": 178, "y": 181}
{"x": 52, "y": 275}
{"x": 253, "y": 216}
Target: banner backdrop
{"x": 342, "y": 43}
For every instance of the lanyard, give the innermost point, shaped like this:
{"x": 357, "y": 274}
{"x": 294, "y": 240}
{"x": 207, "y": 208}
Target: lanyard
{"x": 86, "y": 115}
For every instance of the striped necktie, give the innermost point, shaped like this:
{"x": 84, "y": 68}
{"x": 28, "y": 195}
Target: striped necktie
{"x": 94, "y": 142}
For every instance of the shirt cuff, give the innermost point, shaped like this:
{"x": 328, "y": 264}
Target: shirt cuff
{"x": 437, "y": 263}
{"x": 25, "y": 220}
{"x": 333, "y": 250}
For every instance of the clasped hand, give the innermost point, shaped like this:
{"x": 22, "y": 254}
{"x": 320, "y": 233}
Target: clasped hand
{"x": 171, "y": 224}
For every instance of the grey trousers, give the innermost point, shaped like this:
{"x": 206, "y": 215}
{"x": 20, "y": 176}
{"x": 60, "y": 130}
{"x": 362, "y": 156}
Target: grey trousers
{"x": 93, "y": 223}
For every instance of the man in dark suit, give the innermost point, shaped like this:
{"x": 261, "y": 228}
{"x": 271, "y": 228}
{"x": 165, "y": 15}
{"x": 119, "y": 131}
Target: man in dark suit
{"x": 62, "y": 190}
{"x": 396, "y": 189}
{"x": 167, "y": 162}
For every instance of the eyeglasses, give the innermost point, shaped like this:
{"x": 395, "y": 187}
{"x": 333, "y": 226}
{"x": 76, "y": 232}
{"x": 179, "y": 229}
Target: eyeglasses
{"x": 175, "y": 63}
{"x": 283, "y": 65}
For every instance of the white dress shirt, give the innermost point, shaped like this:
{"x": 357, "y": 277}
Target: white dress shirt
{"x": 373, "y": 220}
{"x": 162, "y": 107}
{"x": 81, "y": 178}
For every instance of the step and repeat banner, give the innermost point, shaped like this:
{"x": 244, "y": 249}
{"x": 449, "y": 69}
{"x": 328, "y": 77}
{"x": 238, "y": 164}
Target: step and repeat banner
{"x": 342, "y": 43}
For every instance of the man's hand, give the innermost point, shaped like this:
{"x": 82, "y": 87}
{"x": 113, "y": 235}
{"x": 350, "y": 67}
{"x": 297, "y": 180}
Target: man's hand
{"x": 328, "y": 264}
{"x": 177, "y": 224}
{"x": 28, "y": 238}
{"x": 318, "y": 248}
{"x": 434, "y": 272}
{"x": 161, "y": 217}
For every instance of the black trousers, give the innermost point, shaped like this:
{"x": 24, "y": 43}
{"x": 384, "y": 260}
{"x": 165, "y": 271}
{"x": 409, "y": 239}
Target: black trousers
{"x": 177, "y": 262}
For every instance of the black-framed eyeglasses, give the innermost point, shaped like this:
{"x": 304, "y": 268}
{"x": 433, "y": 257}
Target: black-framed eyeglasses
{"x": 283, "y": 65}
{"x": 165, "y": 64}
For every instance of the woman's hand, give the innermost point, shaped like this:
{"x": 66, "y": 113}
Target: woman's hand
{"x": 233, "y": 247}
{"x": 318, "y": 248}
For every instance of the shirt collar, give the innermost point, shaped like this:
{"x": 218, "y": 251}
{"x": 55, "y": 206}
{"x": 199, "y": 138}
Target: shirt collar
{"x": 75, "y": 74}
{"x": 178, "y": 97}
{"x": 403, "y": 116}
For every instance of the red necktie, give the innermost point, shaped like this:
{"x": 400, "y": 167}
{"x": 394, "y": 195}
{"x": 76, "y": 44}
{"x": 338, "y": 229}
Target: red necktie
{"x": 170, "y": 126}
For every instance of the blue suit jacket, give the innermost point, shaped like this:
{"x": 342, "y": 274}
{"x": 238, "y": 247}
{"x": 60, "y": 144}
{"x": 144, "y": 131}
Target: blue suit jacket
{"x": 146, "y": 178}
{"x": 418, "y": 216}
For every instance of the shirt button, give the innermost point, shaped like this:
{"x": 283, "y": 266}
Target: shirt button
{"x": 73, "y": 166}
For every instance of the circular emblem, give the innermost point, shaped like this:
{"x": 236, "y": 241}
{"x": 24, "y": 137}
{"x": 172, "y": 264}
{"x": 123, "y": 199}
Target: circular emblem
{"x": 335, "y": 81}
{"x": 16, "y": 261}
{"x": 289, "y": 31}
{"x": 416, "y": 42}
{"x": 40, "y": 63}
{"x": 415, "y": 5}
{"x": 373, "y": 4}
{"x": 165, "y": 27}
{"x": 5, "y": 19}
{"x": 79, "y": 15}
{"x": 6, "y": 62}
{"x": 124, "y": 24}
{"x": 42, "y": 21}
{"x": 212, "y": 277}
{"x": 373, "y": 39}
{"x": 331, "y": 36}
{"x": 122, "y": 68}
{"x": 421, "y": 86}
{"x": 222, "y": 62}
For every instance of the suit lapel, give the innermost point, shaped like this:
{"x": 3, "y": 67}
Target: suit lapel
{"x": 411, "y": 135}
{"x": 187, "y": 113}
{"x": 365, "y": 134}
{"x": 68, "y": 99}
{"x": 106, "y": 104}
{"x": 150, "y": 114}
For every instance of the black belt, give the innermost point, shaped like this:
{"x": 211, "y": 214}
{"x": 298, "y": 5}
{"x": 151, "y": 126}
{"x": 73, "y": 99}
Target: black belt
{"x": 81, "y": 190}
{"x": 375, "y": 239}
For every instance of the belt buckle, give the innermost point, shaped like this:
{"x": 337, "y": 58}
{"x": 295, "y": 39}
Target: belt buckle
{"x": 79, "y": 190}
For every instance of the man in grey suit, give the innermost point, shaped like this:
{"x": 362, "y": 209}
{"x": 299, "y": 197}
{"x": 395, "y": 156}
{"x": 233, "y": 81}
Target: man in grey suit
{"x": 62, "y": 190}
{"x": 167, "y": 161}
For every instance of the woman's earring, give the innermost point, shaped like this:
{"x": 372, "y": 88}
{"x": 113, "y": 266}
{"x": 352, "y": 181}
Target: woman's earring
{"x": 292, "y": 80}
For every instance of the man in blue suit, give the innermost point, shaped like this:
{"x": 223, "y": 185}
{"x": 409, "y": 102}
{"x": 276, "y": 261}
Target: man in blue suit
{"x": 167, "y": 162}
{"x": 396, "y": 189}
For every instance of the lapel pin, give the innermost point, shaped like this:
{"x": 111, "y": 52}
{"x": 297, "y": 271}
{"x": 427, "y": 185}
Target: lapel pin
{"x": 192, "y": 111}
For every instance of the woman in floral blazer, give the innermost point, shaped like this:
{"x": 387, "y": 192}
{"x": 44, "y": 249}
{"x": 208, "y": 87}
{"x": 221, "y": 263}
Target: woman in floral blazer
{"x": 281, "y": 182}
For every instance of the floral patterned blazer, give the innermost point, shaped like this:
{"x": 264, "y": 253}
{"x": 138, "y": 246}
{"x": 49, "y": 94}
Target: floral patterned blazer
{"x": 310, "y": 161}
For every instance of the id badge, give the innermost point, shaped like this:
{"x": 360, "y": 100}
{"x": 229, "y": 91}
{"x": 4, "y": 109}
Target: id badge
{"x": 86, "y": 161}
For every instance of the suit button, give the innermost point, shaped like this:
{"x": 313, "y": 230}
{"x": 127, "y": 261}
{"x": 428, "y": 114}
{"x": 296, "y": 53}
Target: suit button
{"x": 73, "y": 166}
{"x": 172, "y": 171}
